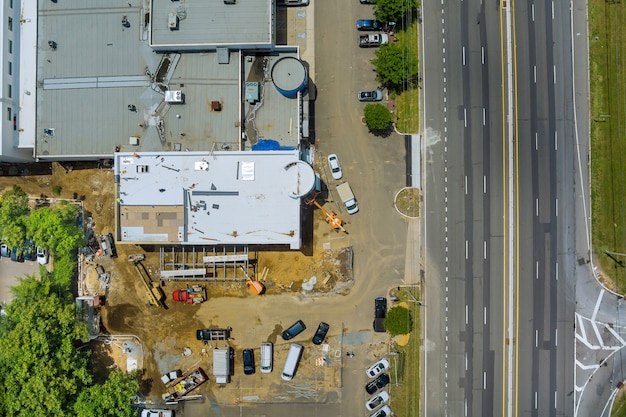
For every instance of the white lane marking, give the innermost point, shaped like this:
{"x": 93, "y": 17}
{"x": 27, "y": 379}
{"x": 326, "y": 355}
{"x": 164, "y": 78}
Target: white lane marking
{"x": 465, "y": 183}
{"x": 556, "y": 207}
{"x": 466, "y": 249}
{"x": 466, "y": 362}
{"x": 464, "y": 63}
{"x": 556, "y": 140}
{"x": 554, "y": 391}
{"x": 535, "y": 73}
{"x": 466, "y": 314}
{"x": 556, "y": 337}
{"x": 465, "y": 117}
{"x": 536, "y": 338}
{"x": 466, "y": 407}
{"x": 484, "y": 116}
{"x": 485, "y": 316}
{"x": 484, "y": 184}
{"x": 557, "y": 271}
{"x": 535, "y": 399}
{"x": 536, "y": 141}
{"x": 484, "y": 249}
{"x": 552, "y": 10}
{"x": 536, "y": 269}
{"x": 484, "y": 380}
{"x": 554, "y": 72}
{"x": 536, "y": 207}
{"x": 532, "y": 11}
{"x": 482, "y": 54}
{"x": 597, "y": 307}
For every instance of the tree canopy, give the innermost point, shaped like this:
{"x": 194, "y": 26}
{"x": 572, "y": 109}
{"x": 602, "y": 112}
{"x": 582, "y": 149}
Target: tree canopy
{"x": 44, "y": 365}
{"x": 110, "y": 399}
{"x": 13, "y": 214}
{"x": 40, "y": 368}
{"x": 395, "y": 65}
{"x": 55, "y": 228}
{"x": 377, "y": 116}
{"x": 393, "y": 10}
{"x": 398, "y": 321}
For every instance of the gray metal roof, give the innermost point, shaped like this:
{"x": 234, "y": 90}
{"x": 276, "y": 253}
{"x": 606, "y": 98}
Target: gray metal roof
{"x": 207, "y": 24}
{"x": 101, "y": 68}
{"x": 217, "y": 198}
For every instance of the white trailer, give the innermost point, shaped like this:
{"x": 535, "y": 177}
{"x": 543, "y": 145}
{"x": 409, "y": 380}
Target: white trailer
{"x": 221, "y": 365}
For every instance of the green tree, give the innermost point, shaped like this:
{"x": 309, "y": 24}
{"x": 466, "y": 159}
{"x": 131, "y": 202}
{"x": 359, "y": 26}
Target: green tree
{"x": 395, "y": 65}
{"x": 398, "y": 321}
{"x": 377, "y": 117}
{"x": 111, "y": 399}
{"x": 393, "y": 10}
{"x": 55, "y": 228}
{"x": 13, "y": 212}
{"x": 41, "y": 370}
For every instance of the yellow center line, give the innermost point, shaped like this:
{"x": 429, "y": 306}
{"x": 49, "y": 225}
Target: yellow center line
{"x": 504, "y": 219}
{"x": 516, "y": 196}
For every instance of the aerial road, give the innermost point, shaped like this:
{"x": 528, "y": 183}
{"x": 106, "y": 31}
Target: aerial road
{"x": 499, "y": 209}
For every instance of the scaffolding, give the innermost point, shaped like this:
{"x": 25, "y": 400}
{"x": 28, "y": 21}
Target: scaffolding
{"x": 205, "y": 263}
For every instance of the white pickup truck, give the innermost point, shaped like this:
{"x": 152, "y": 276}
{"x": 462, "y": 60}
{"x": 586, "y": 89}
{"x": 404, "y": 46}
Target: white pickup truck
{"x": 374, "y": 40}
{"x": 347, "y": 197}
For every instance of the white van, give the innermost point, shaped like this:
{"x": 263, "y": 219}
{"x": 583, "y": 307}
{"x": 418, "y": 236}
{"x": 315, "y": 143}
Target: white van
{"x": 291, "y": 364}
{"x": 266, "y": 357}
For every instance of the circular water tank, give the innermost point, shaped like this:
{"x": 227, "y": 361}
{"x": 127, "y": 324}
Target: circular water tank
{"x": 303, "y": 178}
{"x": 290, "y": 76}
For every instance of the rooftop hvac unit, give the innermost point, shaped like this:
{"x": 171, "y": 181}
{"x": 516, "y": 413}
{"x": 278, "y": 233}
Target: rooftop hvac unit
{"x": 252, "y": 92}
{"x": 230, "y": 1}
{"x": 172, "y": 21}
{"x": 174, "y": 96}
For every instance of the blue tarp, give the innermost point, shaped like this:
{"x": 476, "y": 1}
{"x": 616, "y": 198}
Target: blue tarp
{"x": 270, "y": 145}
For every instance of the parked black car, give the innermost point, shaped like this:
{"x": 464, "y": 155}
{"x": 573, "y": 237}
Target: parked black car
{"x": 248, "y": 361}
{"x": 294, "y": 330}
{"x": 380, "y": 312}
{"x": 320, "y": 333}
{"x": 377, "y": 384}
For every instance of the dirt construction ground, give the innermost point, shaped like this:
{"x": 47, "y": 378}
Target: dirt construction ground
{"x": 165, "y": 334}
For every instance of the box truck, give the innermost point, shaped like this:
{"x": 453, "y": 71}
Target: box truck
{"x": 347, "y": 197}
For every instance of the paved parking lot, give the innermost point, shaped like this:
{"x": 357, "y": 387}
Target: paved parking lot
{"x": 10, "y": 272}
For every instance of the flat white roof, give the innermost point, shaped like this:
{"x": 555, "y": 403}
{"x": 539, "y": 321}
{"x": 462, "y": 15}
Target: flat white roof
{"x": 218, "y": 198}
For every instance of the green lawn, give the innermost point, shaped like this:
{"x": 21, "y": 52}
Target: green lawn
{"x": 608, "y": 145}
{"x": 404, "y": 388}
{"x": 407, "y": 102}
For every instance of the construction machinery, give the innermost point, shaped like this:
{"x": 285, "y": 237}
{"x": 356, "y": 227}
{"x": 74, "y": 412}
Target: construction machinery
{"x": 331, "y": 218}
{"x": 195, "y": 294}
{"x": 255, "y": 286}
{"x": 154, "y": 291}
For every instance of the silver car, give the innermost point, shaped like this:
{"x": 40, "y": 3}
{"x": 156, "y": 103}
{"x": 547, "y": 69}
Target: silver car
{"x": 375, "y": 95}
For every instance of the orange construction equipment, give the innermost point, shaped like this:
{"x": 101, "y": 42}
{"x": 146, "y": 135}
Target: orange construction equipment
{"x": 332, "y": 219}
{"x": 255, "y": 286}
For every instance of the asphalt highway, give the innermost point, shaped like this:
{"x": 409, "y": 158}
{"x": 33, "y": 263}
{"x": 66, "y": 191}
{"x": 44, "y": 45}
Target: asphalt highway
{"x": 473, "y": 166}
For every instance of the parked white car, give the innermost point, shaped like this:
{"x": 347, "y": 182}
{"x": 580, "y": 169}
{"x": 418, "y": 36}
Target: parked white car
{"x": 42, "y": 255}
{"x": 377, "y": 400}
{"x": 335, "y": 168}
{"x": 378, "y": 368}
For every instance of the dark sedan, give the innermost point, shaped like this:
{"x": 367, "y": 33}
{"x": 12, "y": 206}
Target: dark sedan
{"x": 377, "y": 384}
